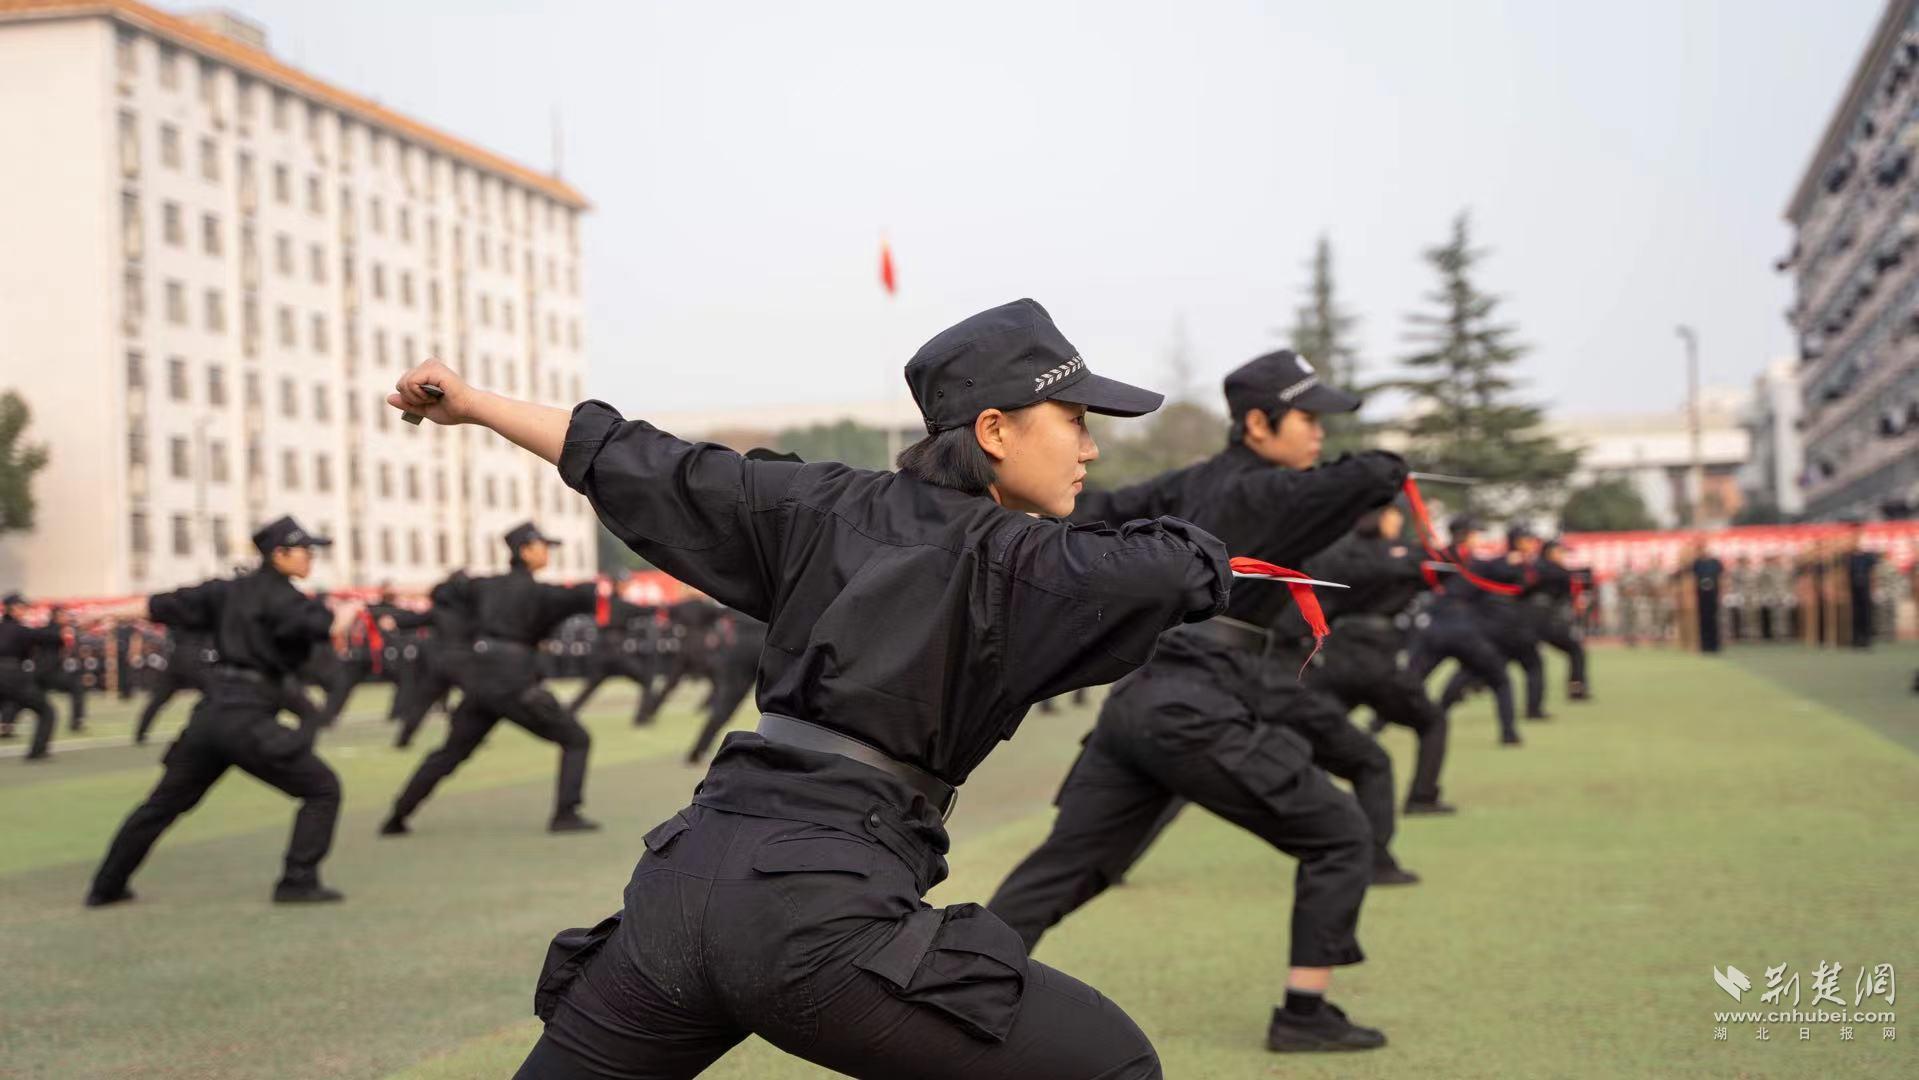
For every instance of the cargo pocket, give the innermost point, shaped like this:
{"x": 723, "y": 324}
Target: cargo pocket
{"x": 961, "y": 960}
{"x": 661, "y": 836}
{"x": 277, "y": 742}
{"x": 1266, "y": 760}
{"x": 566, "y": 956}
{"x": 816, "y": 855}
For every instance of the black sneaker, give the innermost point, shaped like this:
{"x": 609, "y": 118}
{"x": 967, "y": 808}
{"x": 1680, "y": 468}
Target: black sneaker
{"x": 1433, "y": 807}
{"x": 395, "y": 827}
{"x": 1539, "y": 716}
{"x": 1326, "y": 1029}
{"x": 120, "y": 896}
{"x": 311, "y": 892}
{"x": 1579, "y": 692}
{"x": 1391, "y": 873}
{"x": 571, "y": 822}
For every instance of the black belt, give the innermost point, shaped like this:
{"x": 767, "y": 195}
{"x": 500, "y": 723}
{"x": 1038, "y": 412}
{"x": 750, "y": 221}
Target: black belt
{"x": 791, "y": 732}
{"x": 8, "y": 663}
{"x": 228, "y": 671}
{"x": 1233, "y": 634}
{"x": 485, "y": 645}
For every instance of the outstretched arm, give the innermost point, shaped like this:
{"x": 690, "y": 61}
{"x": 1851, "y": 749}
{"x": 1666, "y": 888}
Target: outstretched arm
{"x": 538, "y": 428}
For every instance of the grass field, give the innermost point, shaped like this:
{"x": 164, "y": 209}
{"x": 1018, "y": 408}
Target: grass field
{"x": 1756, "y": 809}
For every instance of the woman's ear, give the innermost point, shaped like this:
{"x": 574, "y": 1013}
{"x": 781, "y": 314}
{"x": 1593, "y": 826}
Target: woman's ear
{"x": 989, "y": 427}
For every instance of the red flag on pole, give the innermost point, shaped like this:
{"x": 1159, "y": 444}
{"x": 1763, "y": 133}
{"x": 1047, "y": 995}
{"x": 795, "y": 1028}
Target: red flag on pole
{"x": 886, "y": 268}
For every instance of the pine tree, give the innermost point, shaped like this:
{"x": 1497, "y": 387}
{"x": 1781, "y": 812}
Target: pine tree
{"x": 1322, "y": 333}
{"x": 1464, "y": 419}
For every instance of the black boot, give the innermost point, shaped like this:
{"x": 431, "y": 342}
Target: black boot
{"x": 571, "y": 821}
{"x": 305, "y": 892}
{"x": 1434, "y": 806}
{"x": 395, "y": 826}
{"x": 103, "y": 899}
{"x": 1324, "y": 1029}
{"x": 1387, "y": 871}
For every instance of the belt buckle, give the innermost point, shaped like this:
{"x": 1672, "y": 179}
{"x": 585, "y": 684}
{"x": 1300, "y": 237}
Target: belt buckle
{"x": 952, "y": 802}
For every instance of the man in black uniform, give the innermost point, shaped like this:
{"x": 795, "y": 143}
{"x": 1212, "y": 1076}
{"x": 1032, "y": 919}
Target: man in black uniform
{"x": 371, "y": 652}
{"x": 1706, "y": 574}
{"x": 443, "y": 657}
{"x": 1454, "y": 630}
{"x": 1549, "y": 603}
{"x": 623, "y": 646}
{"x": 1217, "y": 716}
{"x": 1860, "y": 565}
{"x": 912, "y": 619}
{"x": 512, "y": 614}
{"x": 1370, "y": 622}
{"x": 733, "y": 663}
{"x": 263, "y": 627}
{"x": 20, "y": 687}
{"x": 690, "y": 641}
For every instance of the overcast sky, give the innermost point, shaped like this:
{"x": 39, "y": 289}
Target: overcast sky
{"x": 1131, "y": 166}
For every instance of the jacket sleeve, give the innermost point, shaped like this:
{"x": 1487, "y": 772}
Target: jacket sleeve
{"x": 1307, "y": 511}
{"x": 194, "y": 608}
{"x": 699, "y": 511}
{"x": 1084, "y": 604}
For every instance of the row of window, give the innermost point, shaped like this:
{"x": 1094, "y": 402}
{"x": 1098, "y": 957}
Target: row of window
{"x": 179, "y": 386}
{"x": 221, "y": 539}
{"x": 490, "y": 194}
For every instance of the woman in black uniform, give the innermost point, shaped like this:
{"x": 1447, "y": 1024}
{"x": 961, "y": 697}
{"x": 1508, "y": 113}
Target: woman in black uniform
{"x": 912, "y": 618}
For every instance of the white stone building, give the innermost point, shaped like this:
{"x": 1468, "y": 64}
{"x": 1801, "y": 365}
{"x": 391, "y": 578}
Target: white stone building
{"x": 214, "y": 266}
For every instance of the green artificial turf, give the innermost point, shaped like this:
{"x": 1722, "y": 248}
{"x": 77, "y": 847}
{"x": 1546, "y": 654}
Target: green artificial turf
{"x": 1752, "y": 810}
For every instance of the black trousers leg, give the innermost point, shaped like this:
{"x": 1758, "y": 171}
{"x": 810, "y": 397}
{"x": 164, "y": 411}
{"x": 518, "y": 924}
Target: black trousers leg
{"x": 1462, "y": 641}
{"x": 599, "y": 674}
{"x": 1344, "y": 751}
{"x": 1535, "y": 671}
{"x": 163, "y": 690}
{"x": 1560, "y": 635}
{"x": 340, "y": 681}
{"x": 428, "y": 686}
{"x": 1397, "y": 697}
{"x": 730, "y": 687}
{"x": 652, "y": 697}
{"x": 540, "y": 713}
{"x": 190, "y": 771}
{"x": 25, "y": 695}
{"x": 1108, "y": 812}
{"x": 466, "y": 731}
{"x": 305, "y": 777}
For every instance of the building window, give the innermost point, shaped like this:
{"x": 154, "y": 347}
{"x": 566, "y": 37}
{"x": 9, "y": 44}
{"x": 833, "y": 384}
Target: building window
{"x": 289, "y": 399}
{"x": 413, "y": 552}
{"x": 210, "y": 234}
{"x": 209, "y": 160}
{"x": 216, "y": 386}
{"x": 283, "y": 255}
{"x": 290, "y": 470}
{"x": 137, "y": 535}
{"x": 322, "y": 473}
{"x": 123, "y": 51}
{"x": 281, "y": 104}
{"x": 209, "y": 84}
{"x": 513, "y": 494}
{"x": 316, "y": 195}
{"x": 492, "y": 493}
{"x": 413, "y": 483}
{"x": 169, "y": 146}
{"x": 169, "y": 66}
{"x": 316, "y": 264}
{"x": 282, "y": 184}
{"x": 288, "y": 335}
{"x": 379, "y": 282}
{"x": 222, "y": 543}
{"x": 406, "y": 288}
{"x": 379, "y": 347}
{"x": 243, "y": 89}
{"x": 172, "y": 229}
{"x": 352, "y": 407}
{"x": 408, "y": 353}
{"x": 439, "y": 490}
{"x": 386, "y": 480}
{"x": 440, "y": 548}
{"x": 217, "y": 461}
{"x": 506, "y": 315}
{"x": 256, "y": 460}
{"x": 129, "y": 144}
{"x": 319, "y": 334}
{"x": 179, "y": 460}
{"x": 134, "y": 298}
{"x": 405, "y": 221}
{"x": 322, "y": 404}
{"x": 216, "y": 310}
{"x": 136, "y": 443}
{"x": 252, "y": 384}
{"x": 182, "y": 535}
{"x": 136, "y": 371}
{"x": 486, "y": 310}
{"x": 376, "y": 214}
{"x": 176, "y": 303}
{"x": 486, "y": 251}
{"x": 177, "y": 379}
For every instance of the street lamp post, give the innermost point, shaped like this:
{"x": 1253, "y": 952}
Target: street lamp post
{"x": 1696, "y": 494}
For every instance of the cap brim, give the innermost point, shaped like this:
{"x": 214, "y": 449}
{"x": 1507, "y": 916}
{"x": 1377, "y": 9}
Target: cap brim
{"x": 1323, "y": 399}
{"x": 318, "y": 541}
{"x": 1109, "y": 397}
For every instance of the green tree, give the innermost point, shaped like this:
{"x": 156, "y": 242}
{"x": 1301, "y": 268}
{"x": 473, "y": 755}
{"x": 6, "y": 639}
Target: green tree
{"x": 1464, "y": 418}
{"x": 847, "y": 441}
{"x": 1322, "y": 333}
{"x": 19, "y": 461}
{"x": 1605, "y": 506}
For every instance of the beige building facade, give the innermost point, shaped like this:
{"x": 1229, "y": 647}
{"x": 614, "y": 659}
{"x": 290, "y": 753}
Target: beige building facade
{"x": 214, "y": 266}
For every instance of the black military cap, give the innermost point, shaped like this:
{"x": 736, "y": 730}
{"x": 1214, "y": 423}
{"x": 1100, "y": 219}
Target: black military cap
{"x": 527, "y": 533}
{"x": 1283, "y": 380}
{"x": 12, "y": 599}
{"x": 1519, "y": 532}
{"x": 1462, "y": 525}
{"x": 286, "y": 533}
{"x": 1010, "y": 357}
